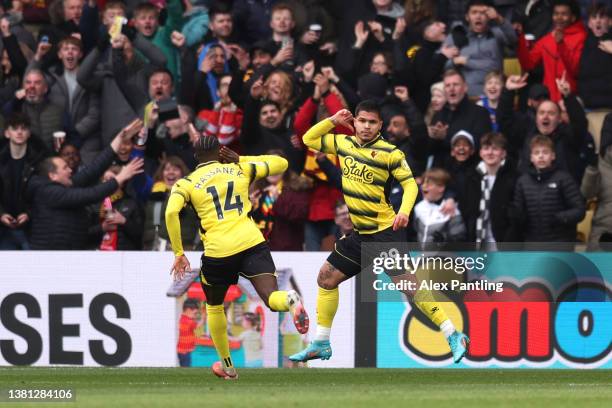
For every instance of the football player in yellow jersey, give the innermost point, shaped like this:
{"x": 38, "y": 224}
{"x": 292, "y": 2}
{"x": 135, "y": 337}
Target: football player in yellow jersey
{"x": 368, "y": 165}
{"x": 233, "y": 245}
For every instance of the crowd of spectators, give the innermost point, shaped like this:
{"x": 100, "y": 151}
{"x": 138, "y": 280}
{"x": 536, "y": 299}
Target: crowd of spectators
{"x": 101, "y": 101}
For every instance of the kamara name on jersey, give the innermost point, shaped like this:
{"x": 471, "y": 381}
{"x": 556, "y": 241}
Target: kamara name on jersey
{"x": 356, "y": 171}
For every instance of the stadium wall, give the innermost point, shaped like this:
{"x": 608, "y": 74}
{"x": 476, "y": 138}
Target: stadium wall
{"x": 111, "y": 309}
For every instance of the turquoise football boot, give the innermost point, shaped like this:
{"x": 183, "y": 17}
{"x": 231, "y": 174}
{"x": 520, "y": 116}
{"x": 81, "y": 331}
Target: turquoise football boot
{"x": 315, "y": 350}
{"x": 458, "y": 343}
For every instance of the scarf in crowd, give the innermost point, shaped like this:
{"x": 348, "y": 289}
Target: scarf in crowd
{"x": 492, "y": 113}
{"x": 211, "y": 78}
{"x": 265, "y": 215}
{"x": 485, "y": 199}
{"x": 109, "y": 239}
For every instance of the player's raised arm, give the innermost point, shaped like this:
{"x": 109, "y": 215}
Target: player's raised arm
{"x": 318, "y": 136}
{"x": 401, "y": 171}
{"x": 265, "y": 165}
{"x": 178, "y": 197}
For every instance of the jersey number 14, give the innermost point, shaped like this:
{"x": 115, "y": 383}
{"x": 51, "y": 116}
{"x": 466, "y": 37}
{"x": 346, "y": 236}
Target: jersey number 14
{"x": 237, "y": 205}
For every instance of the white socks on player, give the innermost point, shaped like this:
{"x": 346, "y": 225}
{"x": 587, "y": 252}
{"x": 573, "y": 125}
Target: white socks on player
{"x": 322, "y": 333}
{"x": 447, "y": 328}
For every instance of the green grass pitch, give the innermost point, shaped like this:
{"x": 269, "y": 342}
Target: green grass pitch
{"x": 317, "y": 388}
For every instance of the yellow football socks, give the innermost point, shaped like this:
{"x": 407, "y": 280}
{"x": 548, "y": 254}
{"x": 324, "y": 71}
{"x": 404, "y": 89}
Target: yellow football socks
{"x": 327, "y": 305}
{"x": 278, "y": 301}
{"x": 426, "y": 303}
{"x": 217, "y": 324}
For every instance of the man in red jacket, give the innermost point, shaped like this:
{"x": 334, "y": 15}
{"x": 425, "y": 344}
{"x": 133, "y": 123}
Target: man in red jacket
{"x": 560, "y": 50}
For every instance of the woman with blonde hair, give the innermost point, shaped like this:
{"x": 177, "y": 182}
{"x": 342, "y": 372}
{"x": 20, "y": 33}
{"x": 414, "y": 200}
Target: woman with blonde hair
{"x": 278, "y": 87}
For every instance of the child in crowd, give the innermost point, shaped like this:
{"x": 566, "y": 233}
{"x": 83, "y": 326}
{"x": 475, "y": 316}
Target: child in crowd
{"x": 493, "y": 86}
{"x": 187, "y": 327}
{"x": 430, "y": 223}
{"x": 547, "y": 199}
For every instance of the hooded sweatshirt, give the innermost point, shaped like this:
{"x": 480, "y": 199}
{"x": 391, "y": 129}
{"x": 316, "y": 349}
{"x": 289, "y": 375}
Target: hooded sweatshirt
{"x": 556, "y": 58}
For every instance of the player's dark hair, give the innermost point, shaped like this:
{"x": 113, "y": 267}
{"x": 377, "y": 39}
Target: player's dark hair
{"x": 47, "y": 166}
{"x": 369, "y": 105}
{"x": 17, "y": 119}
{"x": 206, "y": 148}
{"x": 572, "y": 4}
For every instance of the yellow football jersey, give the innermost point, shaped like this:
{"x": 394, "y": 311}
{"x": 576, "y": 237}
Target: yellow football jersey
{"x": 367, "y": 173}
{"x": 219, "y": 195}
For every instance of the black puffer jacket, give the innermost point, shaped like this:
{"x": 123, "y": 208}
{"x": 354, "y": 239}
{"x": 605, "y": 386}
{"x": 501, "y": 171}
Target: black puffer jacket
{"x": 548, "y": 205}
{"x": 59, "y": 218}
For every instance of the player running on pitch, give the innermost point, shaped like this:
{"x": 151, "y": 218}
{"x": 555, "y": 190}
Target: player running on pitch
{"x": 233, "y": 244}
{"x": 368, "y": 162}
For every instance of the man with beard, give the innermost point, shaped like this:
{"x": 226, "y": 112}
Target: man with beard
{"x": 81, "y": 105}
{"x": 45, "y": 117}
{"x": 559, "y": 51}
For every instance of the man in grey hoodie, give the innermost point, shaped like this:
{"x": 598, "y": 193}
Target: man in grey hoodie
{"x": 481, "y": 45}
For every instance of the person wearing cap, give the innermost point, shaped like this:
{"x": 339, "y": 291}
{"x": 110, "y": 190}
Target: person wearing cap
{"x": 488, "y": 33}
{"x": 461, "y": 161}
{"x": 485, "y": 201}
